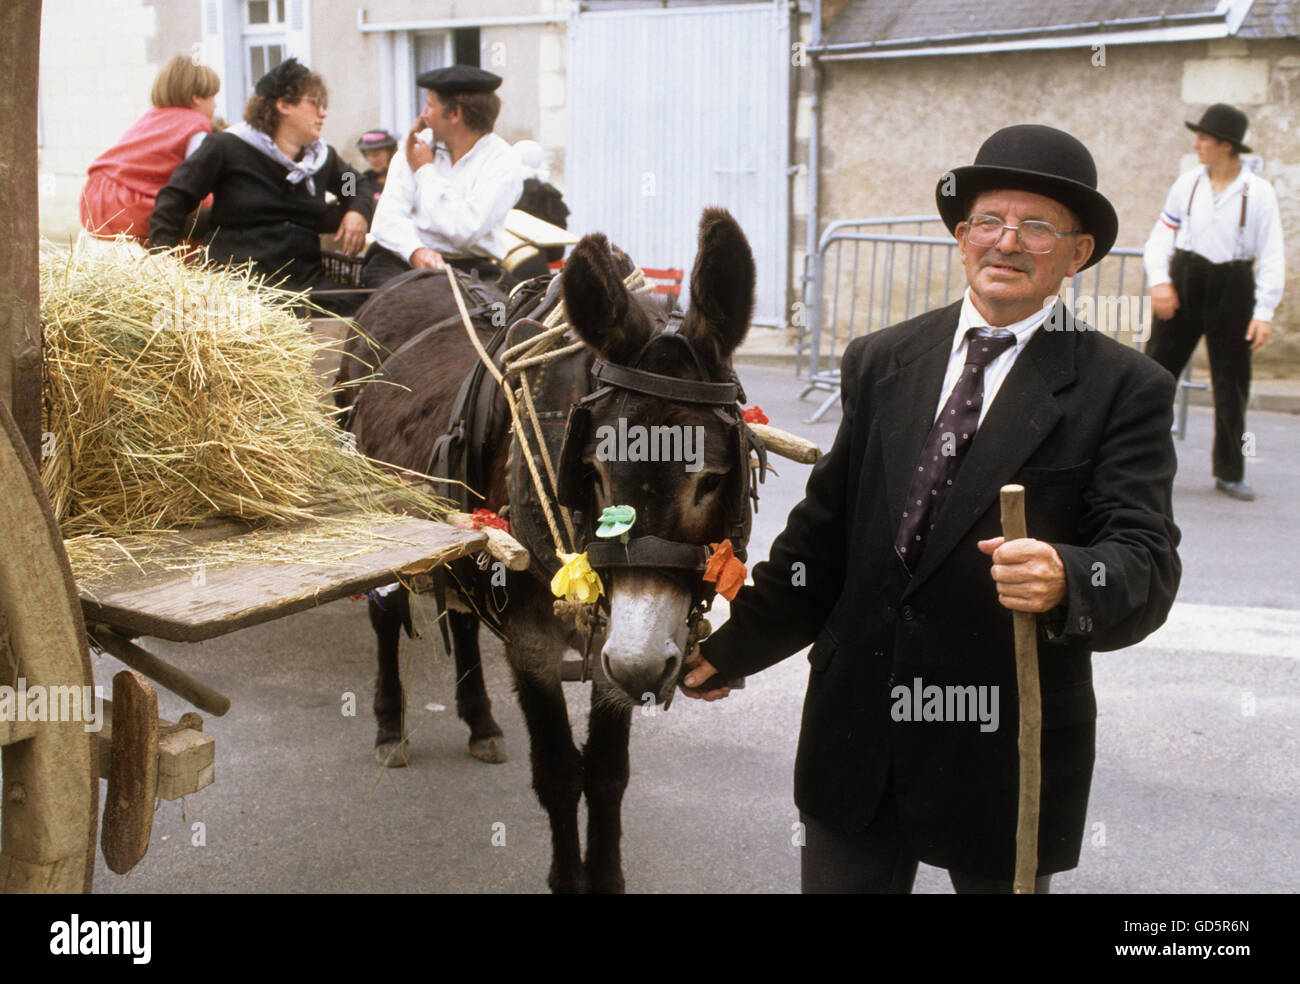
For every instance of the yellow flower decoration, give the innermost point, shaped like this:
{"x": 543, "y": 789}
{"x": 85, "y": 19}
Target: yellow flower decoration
{"x": 576, "y": 581}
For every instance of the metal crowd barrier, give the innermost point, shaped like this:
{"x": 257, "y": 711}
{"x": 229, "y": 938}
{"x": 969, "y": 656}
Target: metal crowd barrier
{"x": 868, "y": 274}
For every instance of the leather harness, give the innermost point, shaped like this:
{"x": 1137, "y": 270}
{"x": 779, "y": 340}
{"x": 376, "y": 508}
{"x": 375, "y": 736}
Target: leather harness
{"x": 564, "y": 391}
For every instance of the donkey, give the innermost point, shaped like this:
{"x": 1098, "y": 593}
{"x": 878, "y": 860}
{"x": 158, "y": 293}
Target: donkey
{"x": 396, "y": 419}
{"x": 646, "y": 374}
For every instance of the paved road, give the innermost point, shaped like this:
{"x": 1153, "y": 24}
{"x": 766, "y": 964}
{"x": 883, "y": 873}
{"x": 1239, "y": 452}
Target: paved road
{"x": 1195, "y": 786}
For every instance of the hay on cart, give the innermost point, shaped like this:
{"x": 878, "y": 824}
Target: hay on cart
{"x": 178, "y": 393}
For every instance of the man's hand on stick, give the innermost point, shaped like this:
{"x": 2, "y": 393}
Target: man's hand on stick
{"x": 1029, "y": 573}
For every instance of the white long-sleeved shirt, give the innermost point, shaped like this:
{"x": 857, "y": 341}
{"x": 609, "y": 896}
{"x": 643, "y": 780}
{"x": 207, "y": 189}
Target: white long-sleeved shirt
{"x": 996, "y": 371}
{"x": 458, "y": 210}
{"x": 1213, "y": 230}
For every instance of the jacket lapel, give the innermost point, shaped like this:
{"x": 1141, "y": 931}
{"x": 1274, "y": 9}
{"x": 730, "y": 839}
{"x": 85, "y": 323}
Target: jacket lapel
{"x": 1022, "y": 415}
{"x": 908, "y": 397}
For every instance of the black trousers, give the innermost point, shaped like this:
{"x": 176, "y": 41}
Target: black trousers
{"x": 382, "y": 265}
{"x": 877, "y": 860}
{"x": 1215, "y": 300}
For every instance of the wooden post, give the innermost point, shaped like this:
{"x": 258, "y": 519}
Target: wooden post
{"x": 1031, "y": 711}
{"x": 20, "y": 326}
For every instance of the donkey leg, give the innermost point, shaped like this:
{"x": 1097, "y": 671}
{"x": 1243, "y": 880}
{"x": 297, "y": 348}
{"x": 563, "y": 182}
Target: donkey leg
{"x": 473, "y": 705}
{"x": 387, "y": 618}
{"x": 557, "y": 773}
{"x": 605, "y": 772}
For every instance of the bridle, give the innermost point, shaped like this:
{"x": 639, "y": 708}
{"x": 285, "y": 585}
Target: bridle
{"x": 684, "y": 562}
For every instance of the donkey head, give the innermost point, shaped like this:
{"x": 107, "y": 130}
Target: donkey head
{"x": 672, "y": 454}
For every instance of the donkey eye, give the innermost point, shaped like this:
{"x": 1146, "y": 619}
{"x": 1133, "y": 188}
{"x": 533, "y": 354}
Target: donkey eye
{"x": 707, "y": 486}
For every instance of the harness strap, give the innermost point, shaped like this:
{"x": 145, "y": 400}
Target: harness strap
{"x": 467, "y": 431}
{"x": 667, "y": 387}
{"x": 648, "y": 551}
{"x": 542, "y": 495}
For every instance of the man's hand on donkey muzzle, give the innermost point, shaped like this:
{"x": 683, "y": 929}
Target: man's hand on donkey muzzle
{"x": 702, "y": 682}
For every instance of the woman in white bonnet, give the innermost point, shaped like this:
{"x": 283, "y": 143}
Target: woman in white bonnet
{"x": 530, "y": 152}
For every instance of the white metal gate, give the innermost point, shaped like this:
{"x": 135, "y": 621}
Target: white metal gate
{"x": 672, "y": 110}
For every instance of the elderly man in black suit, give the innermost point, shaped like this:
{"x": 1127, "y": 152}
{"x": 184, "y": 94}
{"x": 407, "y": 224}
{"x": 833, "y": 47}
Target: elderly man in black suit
{"x": 893, "y": 567}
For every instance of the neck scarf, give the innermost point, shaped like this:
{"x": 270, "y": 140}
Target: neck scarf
{"x": 313, "y": 160}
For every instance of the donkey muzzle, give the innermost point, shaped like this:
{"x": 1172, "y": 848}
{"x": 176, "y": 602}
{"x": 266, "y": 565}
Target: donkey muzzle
{"x": 646, "y": 642}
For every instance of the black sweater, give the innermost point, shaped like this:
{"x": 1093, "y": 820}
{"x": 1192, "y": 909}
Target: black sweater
{"x": 256, "y": 214}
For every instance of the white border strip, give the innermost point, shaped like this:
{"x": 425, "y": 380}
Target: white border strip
{"x": 1198, "y": 32}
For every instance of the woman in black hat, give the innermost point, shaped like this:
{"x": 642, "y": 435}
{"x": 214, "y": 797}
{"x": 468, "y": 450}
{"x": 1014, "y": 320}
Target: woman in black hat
{"x": 1217, "y": 221}
{"x": 269, "y": 177}
{"x": 378, "y": 148}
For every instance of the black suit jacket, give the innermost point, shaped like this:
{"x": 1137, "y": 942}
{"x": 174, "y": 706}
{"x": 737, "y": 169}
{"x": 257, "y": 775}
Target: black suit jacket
{"x": 1083, "y": 423}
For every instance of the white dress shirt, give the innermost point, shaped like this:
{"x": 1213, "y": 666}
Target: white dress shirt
{"x": 1214, "y": 231}
{"x": 996, "y": 371}
{"x": 457, "y": 209}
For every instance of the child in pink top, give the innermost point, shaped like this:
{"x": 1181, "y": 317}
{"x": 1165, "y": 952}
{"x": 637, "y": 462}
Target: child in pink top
{"x": 123, "y": 181}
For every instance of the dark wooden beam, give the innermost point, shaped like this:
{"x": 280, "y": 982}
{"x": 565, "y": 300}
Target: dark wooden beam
{"x": 20, "y": 326}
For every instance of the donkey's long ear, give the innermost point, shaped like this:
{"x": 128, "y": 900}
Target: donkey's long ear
{"x": 722, "y": 288}
{"x": 598, "y": 305}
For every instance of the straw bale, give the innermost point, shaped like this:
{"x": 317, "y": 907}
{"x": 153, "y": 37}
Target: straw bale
{"x": 176, "y": 393}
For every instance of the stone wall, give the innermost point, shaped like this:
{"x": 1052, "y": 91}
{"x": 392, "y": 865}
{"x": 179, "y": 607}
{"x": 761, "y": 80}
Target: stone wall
{"x": 891, "y": 127}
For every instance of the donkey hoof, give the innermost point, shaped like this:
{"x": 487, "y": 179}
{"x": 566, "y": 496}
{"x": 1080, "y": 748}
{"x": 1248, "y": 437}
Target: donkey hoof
{"x": 392, "y": 754}
{"x": 491, "y": 749}
{"x": 574, "y": 883}
{"x": 608, "y": 885}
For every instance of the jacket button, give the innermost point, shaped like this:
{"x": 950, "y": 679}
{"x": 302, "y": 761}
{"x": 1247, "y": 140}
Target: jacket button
{"x": 908, "y": 613}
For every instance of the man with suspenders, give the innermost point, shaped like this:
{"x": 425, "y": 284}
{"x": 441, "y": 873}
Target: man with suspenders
{"x": 1218, "y": 220}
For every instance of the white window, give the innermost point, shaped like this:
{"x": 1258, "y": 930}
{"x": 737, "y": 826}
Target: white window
{"x": 429, "y": 50}
{"x": 403, "y": 55}
{"x": 264, "y": 40}
{"x": 245, "y": 39}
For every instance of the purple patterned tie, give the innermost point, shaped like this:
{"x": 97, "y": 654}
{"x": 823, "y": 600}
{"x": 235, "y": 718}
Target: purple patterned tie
{"x": 947, "y": 445}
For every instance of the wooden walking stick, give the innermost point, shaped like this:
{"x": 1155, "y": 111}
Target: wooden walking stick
{"x": 1031, "y": 711}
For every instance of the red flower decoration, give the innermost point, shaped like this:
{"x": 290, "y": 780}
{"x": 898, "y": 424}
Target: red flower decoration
{"x": 725, "y": 569}
{"x": 486, "y": 517}
{"x": 755, "y": 415}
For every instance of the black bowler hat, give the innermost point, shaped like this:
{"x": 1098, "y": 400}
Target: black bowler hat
{"x": 1225, "y": 123}
{"x": 1041, "y": 159}
{"x": 276, "y": 82}
{"x": 457, "y": 80}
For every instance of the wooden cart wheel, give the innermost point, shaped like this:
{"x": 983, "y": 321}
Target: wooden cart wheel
{"x": 49, "y": 798}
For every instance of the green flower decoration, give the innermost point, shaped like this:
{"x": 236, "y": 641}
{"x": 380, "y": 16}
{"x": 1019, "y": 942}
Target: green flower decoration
{"x": 616, "y": 521}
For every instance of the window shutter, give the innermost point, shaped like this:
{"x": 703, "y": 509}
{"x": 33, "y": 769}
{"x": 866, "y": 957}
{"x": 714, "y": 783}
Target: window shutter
{"x": 221, "y": 49}
{"x": 297, "y": 31}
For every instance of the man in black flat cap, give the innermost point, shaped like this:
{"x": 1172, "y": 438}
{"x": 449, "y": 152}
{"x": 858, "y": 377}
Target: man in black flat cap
{"x": 450, "y": 187}
{"x": 1218, "y": 220}
{"x": 893, "y": 566}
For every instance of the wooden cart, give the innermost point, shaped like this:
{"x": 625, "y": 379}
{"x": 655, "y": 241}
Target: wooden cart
{"x": 49, "y": 807}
